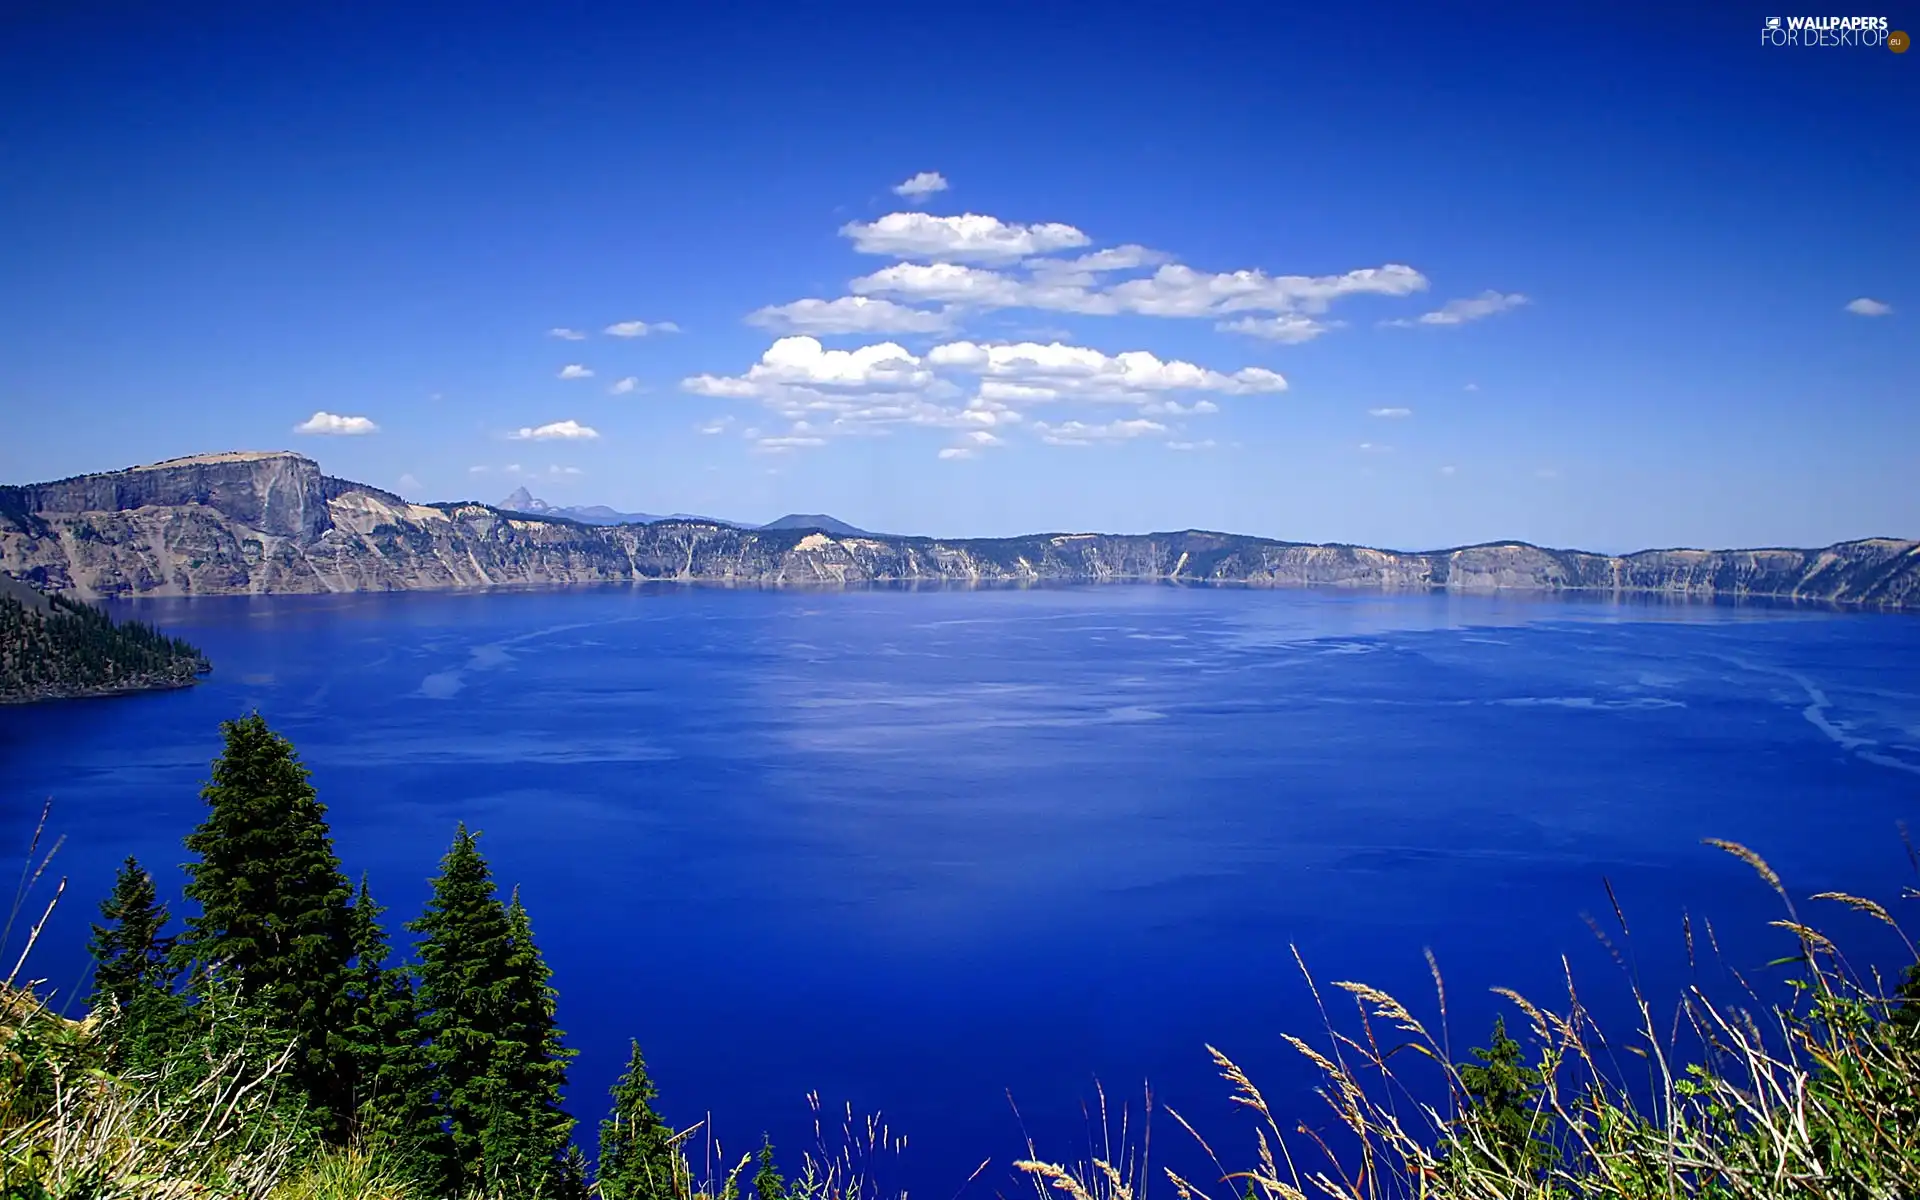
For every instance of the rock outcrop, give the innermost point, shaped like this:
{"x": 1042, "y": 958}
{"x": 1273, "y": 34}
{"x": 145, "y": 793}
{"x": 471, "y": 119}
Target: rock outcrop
{"x": 272, "y": 523}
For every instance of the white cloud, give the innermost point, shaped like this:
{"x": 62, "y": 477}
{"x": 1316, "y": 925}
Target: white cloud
{"x": 565, "y": 334}
{"x": 720, "y": 425}
{"x": 1374, "y": 448}
{"x": 1390, "y": 412}
{"x": 336, "y": 425}
{"x": 634, "y": 329}
{"x": 801, "y": 361}
{"x": 1205, "y": 445}
{"x": 849, "y": 314}
{"x": 410, "y": 483}
{"x": 1180, "y": 291}
{"x": 1448, "y": 470}
{"x": 1472, "y": 308}
{"x": 1289, "y": 329}
{"x": 920, "y": 186}
{"x": 478, "y": 470}
{"x": 956, "y": 452}
{"x": 1062, "y": 368}
{"x": 1171, "y": 291}
{"x": 1866, "y": 306}
{"x": 874, "y": 389}
{"x": 1471, "y": 387}
{"x": 574, "y": 371}
{"x": 781, "y": 445}
{"x": 623, "y": 386}
{"x": 968, "y": 236}
{"x": 568, "y": 430}
{"x": 1079, "y": 433}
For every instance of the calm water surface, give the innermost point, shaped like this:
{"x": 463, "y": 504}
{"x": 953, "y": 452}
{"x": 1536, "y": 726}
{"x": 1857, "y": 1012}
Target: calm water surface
{"x": 916, "y": 851}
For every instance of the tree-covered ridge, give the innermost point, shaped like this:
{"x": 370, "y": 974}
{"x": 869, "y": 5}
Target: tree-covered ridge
{"x": 52, "y": 647}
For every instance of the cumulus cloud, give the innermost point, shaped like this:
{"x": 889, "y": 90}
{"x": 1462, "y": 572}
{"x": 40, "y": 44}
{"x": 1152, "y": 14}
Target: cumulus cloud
{"x": 565, "y": 334}
{"x": 1866, "y": 306}
{"x": 1055, "y": 368}
{"x": 970, "y": 236}
{"x": 801, "y": 361}
{"x": 920, "y": 186}
{"x": 1170, "y": 291}
{"x": 1290, "y": 329}
{"x": 1390, "y": 412}
{"x": 336, "y": 425}
{"x": 1472, "y": 308}
{"x": 977, "y": 388}
{"x": 568, "y": 430}
{"x": 849, "y": 314}
{"x": 1079, "y": 433}
{"x": 574, "y": 371}
{"x": 634, "y": 329}
{"x": 623, "y": 386}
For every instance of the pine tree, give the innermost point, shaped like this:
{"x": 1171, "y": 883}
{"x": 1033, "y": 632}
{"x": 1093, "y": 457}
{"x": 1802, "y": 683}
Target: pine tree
{"x": 638, "y": 1160}
{"x": 273, "y": 917}
{"x": 767, "y": 1184}
{"x": 533, "y": 1058}
{"x": 132, "y": 977}
{"x": 1500, "y": 1108}
{"x": 488, "y": 1013}
{"x": 393, "y": 1081}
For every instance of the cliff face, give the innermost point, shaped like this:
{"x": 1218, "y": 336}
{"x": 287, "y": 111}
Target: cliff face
{"x": 260, "y": 523}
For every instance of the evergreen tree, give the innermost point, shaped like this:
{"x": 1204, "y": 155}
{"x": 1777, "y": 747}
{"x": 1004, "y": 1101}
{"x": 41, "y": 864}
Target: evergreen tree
{"x": 1905, "y": 1016}
{"x": 132, "y": 977}
{"x": 274, "y": 914}
{"x": 533, "y": 1059}
{"x": 638, "y": 1160}
{"x": 1500, "y": 1108}
{"x": 488, "y": 1013}
{"x": 393, "y": 1081}
{"x": 767, "y": 1184}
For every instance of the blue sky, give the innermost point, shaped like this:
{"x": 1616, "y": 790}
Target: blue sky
{"x": 1379, "y": 274}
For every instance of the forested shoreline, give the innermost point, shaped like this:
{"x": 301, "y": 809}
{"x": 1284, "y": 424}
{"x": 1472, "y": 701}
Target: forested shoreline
{"x": 54, "y": 648}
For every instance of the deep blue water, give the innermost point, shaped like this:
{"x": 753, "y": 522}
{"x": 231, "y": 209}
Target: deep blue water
{"x": 916, "y": 850}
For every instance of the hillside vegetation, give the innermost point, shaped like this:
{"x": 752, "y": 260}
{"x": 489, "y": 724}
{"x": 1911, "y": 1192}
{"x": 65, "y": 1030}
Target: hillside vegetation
{"x": 271, "y": 1047}
{"x": 52, "y": 647}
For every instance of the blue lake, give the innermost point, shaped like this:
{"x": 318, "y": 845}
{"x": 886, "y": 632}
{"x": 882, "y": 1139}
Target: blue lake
{"x": 916, "y": 851}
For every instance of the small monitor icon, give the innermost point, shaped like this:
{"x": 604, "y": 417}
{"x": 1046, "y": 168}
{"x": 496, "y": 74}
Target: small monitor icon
{"x": 1773, "y": 23}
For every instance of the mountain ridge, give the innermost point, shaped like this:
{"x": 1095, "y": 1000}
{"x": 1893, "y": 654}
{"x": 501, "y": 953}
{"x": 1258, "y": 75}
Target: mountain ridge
{"x": 272, "y": 522}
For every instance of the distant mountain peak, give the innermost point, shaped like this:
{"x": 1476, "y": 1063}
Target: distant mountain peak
{"x": 820, "y": 521}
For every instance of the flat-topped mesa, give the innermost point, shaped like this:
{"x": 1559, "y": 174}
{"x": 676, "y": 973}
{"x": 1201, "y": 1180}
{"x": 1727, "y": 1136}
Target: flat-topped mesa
{"x": 277, "y": 492}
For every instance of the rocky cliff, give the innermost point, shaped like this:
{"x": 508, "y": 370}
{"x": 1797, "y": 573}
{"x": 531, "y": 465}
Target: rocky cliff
{"x": 271, "y": 522}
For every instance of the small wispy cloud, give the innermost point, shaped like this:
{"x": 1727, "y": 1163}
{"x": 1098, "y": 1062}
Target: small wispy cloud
{"x": 1375, "y": 448}
{"x": 568, "y": 430}
{"x": 566, "y": 335}
{"x": 574, "y": 371}
{"x": 622, "y": 386}
{"x": 1866, "y": 306}
{"x": 1448, "y": 470}
{"x": 718, "y": 426}
{"x": 952, "y": 452}
{"x": 1470, "y": 308}
{"x": 1471, "y": 387}
{"x": 1208, "y": 444}
{"x": 410, "y": 483}
{"x": 925, "y": 184}
{"x": 634, "y": 329}
{"x": 334, "y": 424}
{"x": 1391, "y": 413}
